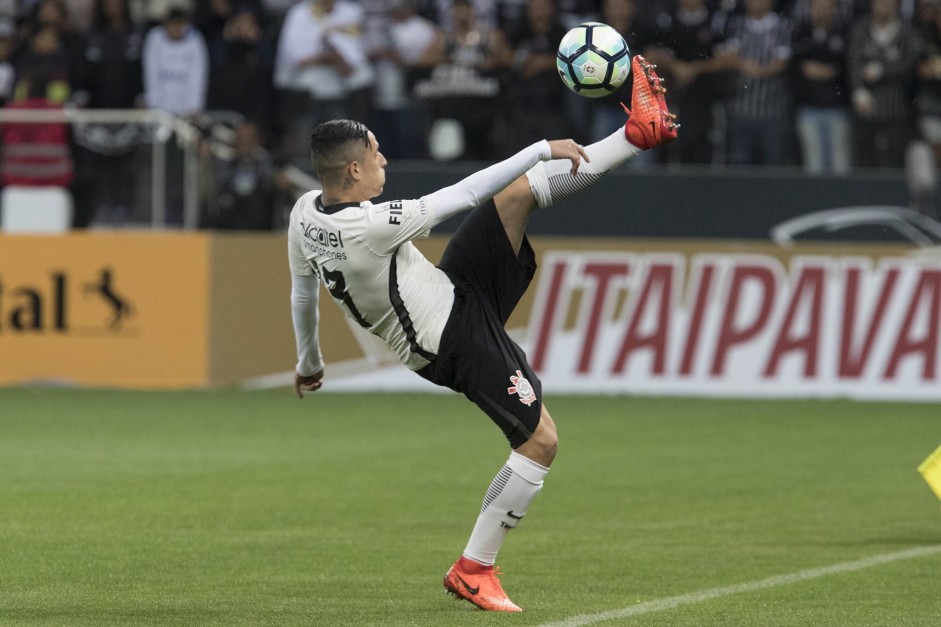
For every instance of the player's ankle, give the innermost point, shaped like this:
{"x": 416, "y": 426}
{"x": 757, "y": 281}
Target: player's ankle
{"x": 469, "y": 565}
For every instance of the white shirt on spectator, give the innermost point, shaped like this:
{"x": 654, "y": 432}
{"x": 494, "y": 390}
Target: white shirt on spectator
{"x": 176, "y": 72}
{"x": 304, "y": 35}
{"x": 410, "y": 38}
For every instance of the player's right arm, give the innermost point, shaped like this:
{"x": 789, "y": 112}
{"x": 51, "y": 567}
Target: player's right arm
{"x": 305, "y": 314}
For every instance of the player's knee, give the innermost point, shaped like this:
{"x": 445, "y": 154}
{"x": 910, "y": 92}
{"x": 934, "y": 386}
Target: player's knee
{"x": 542, "y": 445}
{"x": 549, "y": 448}
{"x": 546, "y": 438}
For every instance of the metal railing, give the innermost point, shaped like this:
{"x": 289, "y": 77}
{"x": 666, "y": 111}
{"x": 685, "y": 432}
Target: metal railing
{"x": 165, "y": 127}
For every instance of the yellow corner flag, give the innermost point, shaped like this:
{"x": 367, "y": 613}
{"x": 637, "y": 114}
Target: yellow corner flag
{"x": 930, "y": 469}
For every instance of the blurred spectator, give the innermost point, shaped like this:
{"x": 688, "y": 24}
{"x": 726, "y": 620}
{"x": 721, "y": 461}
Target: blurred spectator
{"x": 536, "y": 88}
{"x": 924, "y": 154}
{"x": 574, "y": 12}
{"x": 883, "y": 51}
{"x": 176, "y": 66}
{"x": 55, "y": 14}
{"x": 275, "y": 10}
{"x": 310, "y": 72}
{"x": 149, "y": 13}
{"x": 211, "y": 17}
{"x": 38, "y": 154}
{"x": 472, "y": 42}
{"x": 908, "y": 9}
{"x": 414, "y": 45}
{"x": 176, "y": 80}
{"x": 359, "y": 76}
{"x": 241, "y": 63}
{"x": 698, "y": 77}
{"x": 7, "y": 72}
{"x": 244, "y": 183}
{"x": 113, "y": 81}
{"x": 9, "y": 10}
{"x": 45, "y": 62}
{"x": 820, "y": 90}
{"x": 485, "y": 12}
{"x": 82, "y": 13}
{"x": 759, "y": 115}
{"x": 376, "y": 16}
{"x": 510, "y": 14}
{"x": 113, "y": 58}
{"x": 465, "y": 89}
{"x": 846, "y": 10}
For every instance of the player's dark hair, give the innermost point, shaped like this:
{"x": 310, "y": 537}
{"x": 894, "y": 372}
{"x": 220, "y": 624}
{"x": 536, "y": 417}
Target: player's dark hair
{"x": 335, "y": 144}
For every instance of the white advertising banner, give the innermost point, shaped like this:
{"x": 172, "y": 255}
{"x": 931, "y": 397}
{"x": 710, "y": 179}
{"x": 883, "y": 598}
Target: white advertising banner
{"x": 737, "y": 324}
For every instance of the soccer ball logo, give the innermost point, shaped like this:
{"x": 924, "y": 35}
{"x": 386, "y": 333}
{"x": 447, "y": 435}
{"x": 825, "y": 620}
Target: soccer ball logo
{"x": 593, "y": 59}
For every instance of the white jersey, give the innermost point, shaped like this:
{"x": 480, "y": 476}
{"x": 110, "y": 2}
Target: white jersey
{"x": 364, "y": 257}
{"x": 363, "y": 254}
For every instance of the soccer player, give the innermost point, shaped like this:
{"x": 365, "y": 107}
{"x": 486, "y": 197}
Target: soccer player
{"x": 446, "y": 322}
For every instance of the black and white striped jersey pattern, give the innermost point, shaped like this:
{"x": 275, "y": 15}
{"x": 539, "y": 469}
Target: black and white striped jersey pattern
{"x": 762, "y": 41}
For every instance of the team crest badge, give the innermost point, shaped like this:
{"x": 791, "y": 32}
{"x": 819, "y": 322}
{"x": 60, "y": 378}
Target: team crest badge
{"x": 522, "y": 388}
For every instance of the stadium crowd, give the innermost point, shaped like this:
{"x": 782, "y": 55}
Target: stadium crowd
{"x": 830, "y": 85}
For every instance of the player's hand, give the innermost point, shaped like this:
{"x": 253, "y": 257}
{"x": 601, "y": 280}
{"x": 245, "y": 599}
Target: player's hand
{"x": 569, "y": 149}
{"x": 309, "y": 383}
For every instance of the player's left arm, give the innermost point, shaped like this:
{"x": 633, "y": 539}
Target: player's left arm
{"x": 547, "y": 183}
{"x": 399, "y": 221}
{"x": 481, "y": 186}
{"x": 305, "y": 315}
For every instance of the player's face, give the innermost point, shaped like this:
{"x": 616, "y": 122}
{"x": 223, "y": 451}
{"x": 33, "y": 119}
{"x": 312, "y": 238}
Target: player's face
{"x": 374, "y": 168}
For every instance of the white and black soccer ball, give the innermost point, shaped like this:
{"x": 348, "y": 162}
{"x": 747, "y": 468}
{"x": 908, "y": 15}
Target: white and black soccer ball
{"x": 593, "y": 59}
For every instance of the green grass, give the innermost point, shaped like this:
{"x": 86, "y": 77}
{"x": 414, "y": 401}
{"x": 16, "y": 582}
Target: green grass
{"x": 253, "y": 508}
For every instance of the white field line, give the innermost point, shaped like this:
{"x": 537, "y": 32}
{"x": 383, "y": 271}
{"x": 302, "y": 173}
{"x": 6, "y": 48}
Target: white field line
{"x": 751, "y": 586}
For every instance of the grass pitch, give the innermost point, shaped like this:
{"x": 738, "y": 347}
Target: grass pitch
{"x": 254, "y": 508}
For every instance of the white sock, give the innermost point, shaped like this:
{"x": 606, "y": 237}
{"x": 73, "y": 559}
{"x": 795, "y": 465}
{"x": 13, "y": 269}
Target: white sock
{"x": 552, "y": 181}
{"x": 506, "y": 502}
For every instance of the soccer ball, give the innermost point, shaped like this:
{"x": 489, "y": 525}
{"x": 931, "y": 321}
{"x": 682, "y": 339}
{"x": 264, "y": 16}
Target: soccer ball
{"x": 593, "y": 59}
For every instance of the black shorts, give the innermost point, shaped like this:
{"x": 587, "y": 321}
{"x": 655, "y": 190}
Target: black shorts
{"x": 476, "y": 356}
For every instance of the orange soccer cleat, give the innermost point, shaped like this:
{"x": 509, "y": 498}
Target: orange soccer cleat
{"x": 650, "y": 124}
{"x": 477, "y": 583}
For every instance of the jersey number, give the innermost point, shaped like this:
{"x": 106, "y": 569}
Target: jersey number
{"x": 336, "y": 285}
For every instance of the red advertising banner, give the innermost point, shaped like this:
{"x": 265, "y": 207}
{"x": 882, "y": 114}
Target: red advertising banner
{"x": 737, "y": 324}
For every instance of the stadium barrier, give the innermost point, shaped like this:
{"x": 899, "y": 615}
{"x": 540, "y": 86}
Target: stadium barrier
{"x": 143, "y": 309}
{"x": 144, "y": 130}
{"x": 604, "y": 315}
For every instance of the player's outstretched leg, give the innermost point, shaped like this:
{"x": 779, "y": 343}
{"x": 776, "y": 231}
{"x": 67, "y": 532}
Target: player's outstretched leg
{"x": 651, "y": 124}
